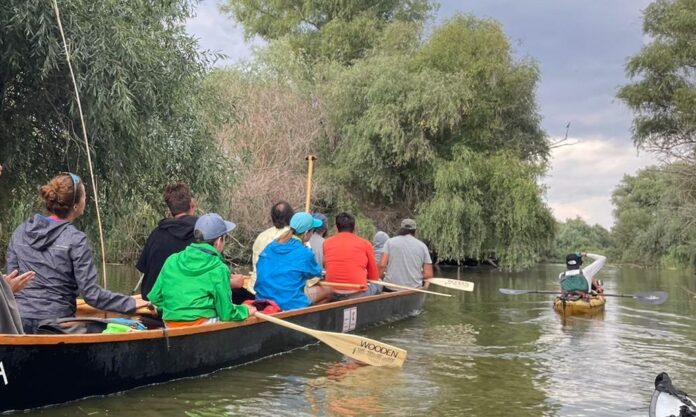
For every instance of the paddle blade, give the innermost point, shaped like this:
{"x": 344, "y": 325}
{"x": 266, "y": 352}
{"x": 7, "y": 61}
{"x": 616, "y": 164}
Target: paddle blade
{"x": 510, "y": 291}
{"x": 363, "y": 349}
{"x": 655, "y": 297}
{"x": 454, "y": 284}
{"x": 359, "y": 348}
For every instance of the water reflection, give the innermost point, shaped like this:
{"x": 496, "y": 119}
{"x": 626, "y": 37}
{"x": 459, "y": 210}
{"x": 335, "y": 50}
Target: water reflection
{"x": 475, "y": 354}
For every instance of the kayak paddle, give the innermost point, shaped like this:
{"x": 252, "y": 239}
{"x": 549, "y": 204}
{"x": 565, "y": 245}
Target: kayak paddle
{"x": 655, "y": 297}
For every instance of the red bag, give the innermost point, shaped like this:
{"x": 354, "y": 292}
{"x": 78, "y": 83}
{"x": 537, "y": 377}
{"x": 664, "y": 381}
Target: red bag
{"x": 264, "y": 306}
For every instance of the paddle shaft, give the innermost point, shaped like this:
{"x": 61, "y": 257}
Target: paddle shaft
{"x": 657, "y": 297}
{"x": 558, "y": 293}
{"x": 403, "y": 287}
{"x": 340, "y": 284}
{"x": 310, "y": 162}
{"x": 140, "y": 281}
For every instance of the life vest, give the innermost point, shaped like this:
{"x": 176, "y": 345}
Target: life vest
{"x": 574, "y": 283}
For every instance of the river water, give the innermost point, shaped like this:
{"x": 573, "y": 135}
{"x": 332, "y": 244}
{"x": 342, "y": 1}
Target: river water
{"x": 475, "y": 354}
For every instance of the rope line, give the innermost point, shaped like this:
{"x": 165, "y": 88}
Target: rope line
{"x": 84, "y": 134}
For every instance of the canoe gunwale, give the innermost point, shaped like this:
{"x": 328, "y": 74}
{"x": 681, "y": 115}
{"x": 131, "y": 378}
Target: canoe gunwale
{"x": 183, "y": 331}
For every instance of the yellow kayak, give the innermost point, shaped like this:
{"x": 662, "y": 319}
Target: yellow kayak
{"x": 579, "y": 307}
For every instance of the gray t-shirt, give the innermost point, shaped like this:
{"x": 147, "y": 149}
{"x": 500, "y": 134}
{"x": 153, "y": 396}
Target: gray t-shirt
{"x": 406, "y": 258}
{"x": 316, "y": 243}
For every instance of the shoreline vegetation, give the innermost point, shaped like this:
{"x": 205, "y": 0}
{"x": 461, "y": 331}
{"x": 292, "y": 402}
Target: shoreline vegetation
{"x": 439, "y": 123}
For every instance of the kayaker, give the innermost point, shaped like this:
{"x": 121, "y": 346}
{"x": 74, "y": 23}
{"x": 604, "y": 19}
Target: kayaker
{"x": 378, "y": 242}
{"x": 194, "y": 286}
{"x": 62, "y": 258}
{"x": 286, "y": 264}
{"x": 171, "y": 235}
{"x": 316, "y": 242}
{"x": 281, "y": 213}
{"x": 349, "y": 259}
{"x": 581, "y": 281}
{"x": 405, "y": 259}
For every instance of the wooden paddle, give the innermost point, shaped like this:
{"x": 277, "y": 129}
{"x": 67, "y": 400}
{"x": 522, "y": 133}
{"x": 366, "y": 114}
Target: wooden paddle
{"x": 454, "y": 284}
{"x": 655, "y": 297}
{"x": 403, "y": 287}
{"x": 357, "y": 347}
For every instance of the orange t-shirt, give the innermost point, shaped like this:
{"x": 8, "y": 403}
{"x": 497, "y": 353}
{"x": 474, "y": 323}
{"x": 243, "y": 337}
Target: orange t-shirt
{"x": 349, "y": 259}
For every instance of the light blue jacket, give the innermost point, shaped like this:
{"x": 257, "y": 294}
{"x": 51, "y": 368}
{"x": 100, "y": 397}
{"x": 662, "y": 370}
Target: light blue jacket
{"x": 282, "y": 272}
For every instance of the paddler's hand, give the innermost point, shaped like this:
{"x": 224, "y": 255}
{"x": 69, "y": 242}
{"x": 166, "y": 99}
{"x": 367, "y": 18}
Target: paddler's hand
{"x": 143, "y": 306}
{"x": 18, "y": 282}
{"x": 236, "y": 281}
{"x": 252, "y": 310}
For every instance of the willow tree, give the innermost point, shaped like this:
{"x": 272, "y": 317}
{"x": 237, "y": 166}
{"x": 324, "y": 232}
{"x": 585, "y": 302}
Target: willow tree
{"x": 662, "y": 96}
{"x": 447, "y": 129}
{"x": 651, "y": 227}
{"x": 337, "y": 30}
{"x": 138, "y": 73}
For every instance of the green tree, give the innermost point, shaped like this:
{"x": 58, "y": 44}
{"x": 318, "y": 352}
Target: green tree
{"x": 575, "y": 235}
{"x": 338, "y": 30}
{"x": 663, "y": 95}
{"x": 138, "y": 73}
{"x": 447, "y": 129}
{"x": 656, "y": 209}
{"x": 651, "y": 228}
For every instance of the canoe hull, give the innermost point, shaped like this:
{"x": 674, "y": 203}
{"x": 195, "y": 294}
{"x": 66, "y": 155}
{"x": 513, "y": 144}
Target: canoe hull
{"x": 579, "y": 307}
{"x": 38, "y": 370}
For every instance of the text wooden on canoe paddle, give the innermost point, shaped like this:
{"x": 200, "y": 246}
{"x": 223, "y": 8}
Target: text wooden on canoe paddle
{"x": 654, "y": 297}
{"x": 357, "y": 347}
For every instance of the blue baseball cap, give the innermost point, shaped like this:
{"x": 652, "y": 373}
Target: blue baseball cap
{"x": 211, "y": 226}
{"x": 302, "y": 221}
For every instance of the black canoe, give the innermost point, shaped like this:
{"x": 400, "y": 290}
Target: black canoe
{"x": 39, "y": 370}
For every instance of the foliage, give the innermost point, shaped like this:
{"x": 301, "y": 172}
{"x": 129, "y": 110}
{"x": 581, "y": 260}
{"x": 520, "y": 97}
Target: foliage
{"x": 420, "y": 128}
{"x": 267, "y": 149}
{"x": 662, "y": 95}
{"x": 137, "y": 80}
{"x": 656, "y": 209}
{"x": 575, "y": 235}
{"x": 487, "y": 205}
{"x": 343, "y": 31}
{"x": 652, "y": 228}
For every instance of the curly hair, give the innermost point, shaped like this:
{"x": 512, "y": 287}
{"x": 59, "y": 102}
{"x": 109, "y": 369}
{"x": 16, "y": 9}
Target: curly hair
{"x": 60, "y": 195}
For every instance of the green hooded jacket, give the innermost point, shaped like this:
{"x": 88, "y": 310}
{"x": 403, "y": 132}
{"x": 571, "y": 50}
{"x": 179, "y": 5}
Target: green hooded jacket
{"x": 194, "y": 284}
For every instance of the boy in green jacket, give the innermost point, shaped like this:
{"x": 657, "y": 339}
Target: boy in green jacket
{"x": 194, "y": 286}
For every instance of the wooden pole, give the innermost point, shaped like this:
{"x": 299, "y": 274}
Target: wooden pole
{"x": 310, "y": 161}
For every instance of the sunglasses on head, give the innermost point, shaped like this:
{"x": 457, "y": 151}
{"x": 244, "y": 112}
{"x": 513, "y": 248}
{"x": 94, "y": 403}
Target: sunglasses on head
{"x": 75, "y": 181}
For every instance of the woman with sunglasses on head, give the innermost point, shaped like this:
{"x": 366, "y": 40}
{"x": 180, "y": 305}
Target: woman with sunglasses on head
{"x": 62, "y": 258}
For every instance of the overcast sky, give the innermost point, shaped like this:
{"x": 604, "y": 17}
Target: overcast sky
{"x": 581, "y": 48}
